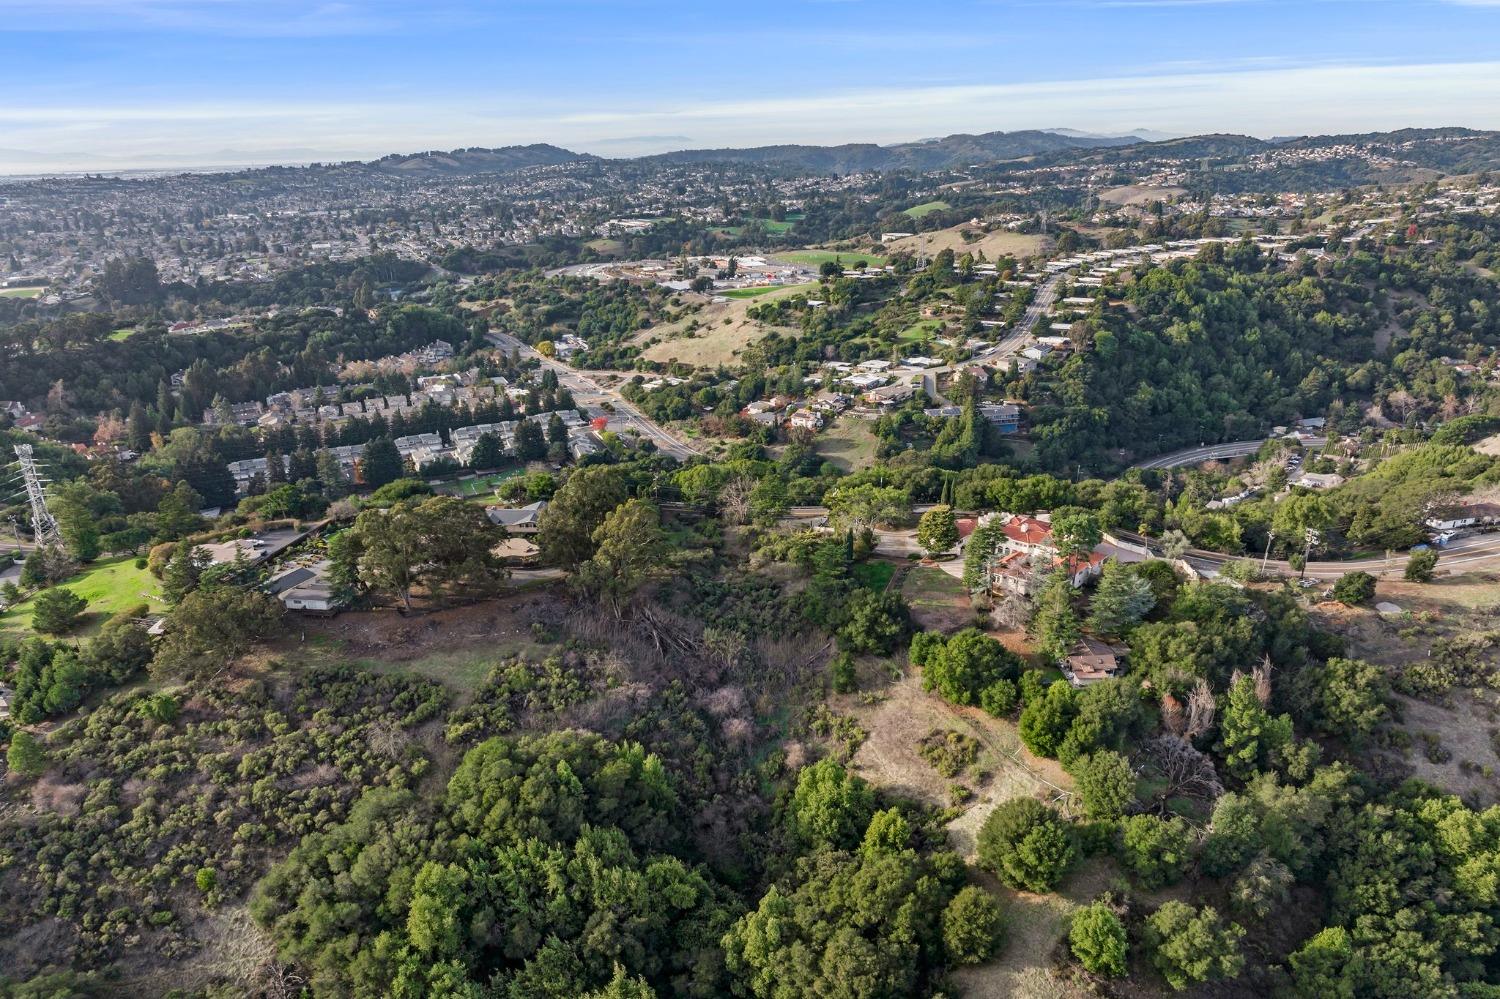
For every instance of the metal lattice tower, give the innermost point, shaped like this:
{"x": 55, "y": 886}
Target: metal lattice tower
{"x": 43, "y": 524}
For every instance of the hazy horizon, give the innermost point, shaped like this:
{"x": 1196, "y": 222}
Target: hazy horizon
{"x": 155, "y": 84}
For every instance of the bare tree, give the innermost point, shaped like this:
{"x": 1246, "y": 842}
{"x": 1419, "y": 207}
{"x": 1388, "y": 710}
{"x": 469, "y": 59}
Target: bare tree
{"x": 734, "y": 499}
{"x": 1188, "y": 772}
{"x": 1262, "y": 674}
{"x": 1201, "y": 708}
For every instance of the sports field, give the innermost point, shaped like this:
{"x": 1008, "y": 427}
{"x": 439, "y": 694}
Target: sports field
{"x": 21, "y": 292}
{"x": 757, "y": 292}
{"x": 815, "y": 258}
{"x": 479, "y": 487}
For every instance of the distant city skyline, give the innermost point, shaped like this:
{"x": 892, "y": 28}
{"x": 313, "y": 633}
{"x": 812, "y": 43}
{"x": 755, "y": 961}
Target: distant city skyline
{"x": 122, "y": 84}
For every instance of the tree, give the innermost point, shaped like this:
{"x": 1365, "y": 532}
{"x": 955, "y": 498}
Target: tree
{"x": 1354, "y": 588}
{"x": 972, "y": 926}
{"x": 183, "y": 572}
{"x": 1076, "y": 532}
{"x": 436, "y": 543}
{"x": 213, "y": 627}
{"x": 1120, "y": 601}
{"x": 1321, "y": 967}
{"x": 1188, "y": 947}
{"x": 488, "y": 452}
{"x": 1422, "y": 565}
{"x": 566, "y": 535}
{"x": 1106, "y": 783}
{"x": 380, "y": 463}
{"x": 1156, "y": 850}
{"x": 830, "y": 807}
{"x": 1055, "y": 623}
{"x": 937, "y": 531}
{"x": 1097, "y": 938}
{"x": 330, "y": 474}
{"x": 1026, "y": 844}
{"x": 26, "y": 755}
{"x": 629, "y": 549}
{"x": 962, "y": 667}
{"x": 1265, "y": 885}
{"x": 1047, "y": 715}
{"x": 873, "y": 622}
{"x": 531, "y": 445}
{"x": 1249, "y": 735}
{"x": 1351, "y": 698}
{"x": 57, "y": 611}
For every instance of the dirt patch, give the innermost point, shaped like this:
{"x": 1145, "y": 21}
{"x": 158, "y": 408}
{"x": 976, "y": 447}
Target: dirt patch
{"x": 723, "y": 331}
{"x": 1454, "y": 743}
{"x": 993, "y": 245}
{"x": 1036, "y": 924}
{"x": 455, "y": 646}
{"x": 1489, "y": 446}
{"x": 890, "y": 757}
{"x": 1135, "y": 194}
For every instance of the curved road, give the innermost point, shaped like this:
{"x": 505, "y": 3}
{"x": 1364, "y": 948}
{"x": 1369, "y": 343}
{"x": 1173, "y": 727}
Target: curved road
{"x": 1218, "y": 452}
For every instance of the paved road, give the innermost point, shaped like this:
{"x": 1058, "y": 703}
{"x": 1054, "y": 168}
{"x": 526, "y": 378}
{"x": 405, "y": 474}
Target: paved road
{"x": 1217, "y": 452}
{"x": 1008, "y": 345}
{"x": 590, "y": 396}
{"x": 1464, "y": 554}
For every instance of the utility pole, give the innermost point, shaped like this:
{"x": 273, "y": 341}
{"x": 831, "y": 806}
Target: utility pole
{"x": 1270, "y": 536}
{"x": 1313, "y": 537}
{"x": 43, "y": 524}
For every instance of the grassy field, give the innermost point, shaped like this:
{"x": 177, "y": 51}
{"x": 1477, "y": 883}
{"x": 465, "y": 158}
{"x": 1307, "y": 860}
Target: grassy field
{"x": 815, "y": 258}
{"x": 21, "y": 292}
{"x": 119, "y": 335}
{"x": 757, "y": 292}
{"x": 925, "y": 330}
{"x": 109, "y": 587}
{"x": 481, "y": 487}
{"x": 993, "y": 245}
{"x": 771, "y": 226}
{"x": 927, "y": 208}
{"x": 849, "y": 444}
{"x": 724, "y": 330}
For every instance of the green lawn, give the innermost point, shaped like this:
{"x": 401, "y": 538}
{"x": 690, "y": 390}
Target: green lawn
{"x": 119, "y": 335}
{"x": 873, "y": 575}
{"x": 927, "y": 208}
{"x": 757, "y": 292}
{"x": 917, "y": 332}
{"x": 21, "y": 292}
{"x": 109, "y": 587}
{"x": 815, "y": 258}
{"x": 481, "y": 487}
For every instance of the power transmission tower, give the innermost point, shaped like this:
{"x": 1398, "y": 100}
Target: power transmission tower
{"x": 43, "y": 524}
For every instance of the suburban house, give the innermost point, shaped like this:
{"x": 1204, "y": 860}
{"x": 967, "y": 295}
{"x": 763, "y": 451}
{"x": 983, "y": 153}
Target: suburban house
{"x": 1091, "y": 660}
{"x": 1027, "y": 548}
{"x": 517, "y": 520}
{"x": 1453, "y": 518}
{"x": 306, "y": 588}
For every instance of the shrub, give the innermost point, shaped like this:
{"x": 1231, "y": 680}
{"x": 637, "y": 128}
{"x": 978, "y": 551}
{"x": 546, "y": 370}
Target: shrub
{"x": 972, "y": 926}
{"x": 1354, "y": 588}
{"x": 1097, "y": 939}
{"x": 1157, "y": 851}
{"x": 57, "y": 611}
{"x": 1421, "y": 566}
{"x": 1027, "y": 844}
{"x": 1106, "y": 783}
{"x": 1189, "y": 946}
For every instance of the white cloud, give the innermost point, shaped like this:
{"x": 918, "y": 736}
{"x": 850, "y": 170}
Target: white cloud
{"x": 1273, "y": 101}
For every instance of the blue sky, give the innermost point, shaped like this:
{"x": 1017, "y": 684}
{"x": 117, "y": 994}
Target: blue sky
{"x": 115, "y": 83}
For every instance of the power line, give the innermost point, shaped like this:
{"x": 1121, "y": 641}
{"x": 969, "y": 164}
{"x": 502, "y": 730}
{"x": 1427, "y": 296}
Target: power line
{"x": 43, "y": 524}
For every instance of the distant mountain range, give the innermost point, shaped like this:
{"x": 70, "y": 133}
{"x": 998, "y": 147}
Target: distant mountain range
{"x": 854, "y": 157}
{"x": 1460, "y": 150}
